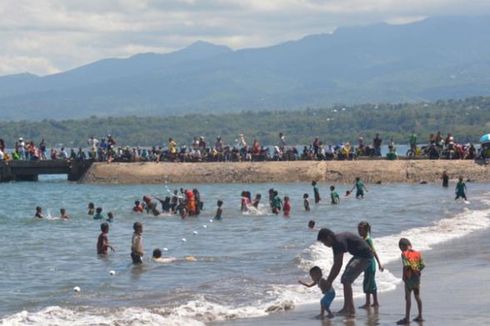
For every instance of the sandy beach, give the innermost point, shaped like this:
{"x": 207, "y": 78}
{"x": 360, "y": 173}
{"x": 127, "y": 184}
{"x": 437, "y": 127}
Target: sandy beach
{"x": 455, "y": 291}
{"x": 371, "y": 171}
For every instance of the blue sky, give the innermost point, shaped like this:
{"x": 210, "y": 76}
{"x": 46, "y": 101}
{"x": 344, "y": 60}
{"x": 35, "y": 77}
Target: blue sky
{"x": 49, "y": 36}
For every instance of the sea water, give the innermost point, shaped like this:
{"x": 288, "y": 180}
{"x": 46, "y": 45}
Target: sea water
{"x": 247, "y": 264}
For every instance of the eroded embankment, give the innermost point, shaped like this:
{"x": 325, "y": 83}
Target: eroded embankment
{"x": 371, "y": 171}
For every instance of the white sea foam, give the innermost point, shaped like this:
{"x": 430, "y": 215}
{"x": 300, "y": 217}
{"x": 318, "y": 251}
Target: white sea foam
{"x": 130, "y": 316}
{"x": 260, "y": 211}
{"x": 195, "y": 312}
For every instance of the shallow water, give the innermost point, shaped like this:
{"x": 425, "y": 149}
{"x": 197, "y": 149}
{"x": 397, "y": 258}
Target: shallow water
{"x": 246, "y": 264}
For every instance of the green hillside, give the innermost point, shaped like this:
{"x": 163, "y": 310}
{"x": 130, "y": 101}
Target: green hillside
{"x": 466, "y": 119}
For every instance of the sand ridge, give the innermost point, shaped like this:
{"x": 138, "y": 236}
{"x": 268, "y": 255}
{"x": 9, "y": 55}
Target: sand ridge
{"x": 371, "y": 171}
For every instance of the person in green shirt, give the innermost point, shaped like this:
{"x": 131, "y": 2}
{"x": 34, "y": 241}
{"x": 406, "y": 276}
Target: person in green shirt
{"x": 334, "y": 196}
{"x": 276, "y": 203}
{"x": 360, "y": 187}
{"x": 460, "y": 189}
{"x": 413, "y": 143}
{"x": 369, "y": 283}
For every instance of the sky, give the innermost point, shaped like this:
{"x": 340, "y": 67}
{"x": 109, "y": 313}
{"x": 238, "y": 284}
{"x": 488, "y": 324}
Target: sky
{"x": 49, "y": 36}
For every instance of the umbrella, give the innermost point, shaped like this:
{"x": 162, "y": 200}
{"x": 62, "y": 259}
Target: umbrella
{"x": 485, "y": 139}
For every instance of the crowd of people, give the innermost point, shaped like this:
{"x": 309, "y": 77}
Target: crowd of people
{"x": 200, "y": 150}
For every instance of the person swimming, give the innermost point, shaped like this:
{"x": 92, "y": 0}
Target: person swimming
{"x": 157, "y": 257}
{"x": 110, "y": 217}
{"x": 98, "y": 214}
{"x": 91, "y": 209}
{"x": 311, "y": 225}
{"x": 63, "y": 214}
{"x": 39, "y": 212}
{"x": 138, "y": 208}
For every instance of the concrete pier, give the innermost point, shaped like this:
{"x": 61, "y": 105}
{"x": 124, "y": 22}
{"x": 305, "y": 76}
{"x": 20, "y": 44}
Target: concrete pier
{"x": 30, "y": 170}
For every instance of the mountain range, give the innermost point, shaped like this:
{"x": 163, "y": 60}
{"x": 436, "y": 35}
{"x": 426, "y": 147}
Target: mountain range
{"x": 437, "y": 58}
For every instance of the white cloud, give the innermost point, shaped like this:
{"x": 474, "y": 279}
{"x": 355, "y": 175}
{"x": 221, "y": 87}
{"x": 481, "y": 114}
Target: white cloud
{"x": 50, "y": 35}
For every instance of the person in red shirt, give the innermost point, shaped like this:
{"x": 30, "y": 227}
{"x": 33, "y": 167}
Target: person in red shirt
{"x": 286, "y": 206}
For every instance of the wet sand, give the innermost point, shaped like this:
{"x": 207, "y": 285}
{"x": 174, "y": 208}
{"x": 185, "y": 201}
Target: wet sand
{"x": 371, "y": 171}
{"x": 455, "y": 291}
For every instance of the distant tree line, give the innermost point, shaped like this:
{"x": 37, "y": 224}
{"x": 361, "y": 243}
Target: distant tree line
{"x": 466, "y": 119}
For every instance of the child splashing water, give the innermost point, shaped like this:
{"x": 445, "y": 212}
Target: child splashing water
{"x": 328, "y": 291}
{"x": 256, "y": 201}
{"x": 369, "y": 284}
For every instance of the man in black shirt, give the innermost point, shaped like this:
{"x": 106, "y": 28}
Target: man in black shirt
{"x": 362, "y": 255}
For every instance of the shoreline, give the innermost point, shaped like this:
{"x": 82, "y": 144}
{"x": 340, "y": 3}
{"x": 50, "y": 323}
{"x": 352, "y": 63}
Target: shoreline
{"x": 342, "y": 172}
{"x": 449, "y": 294}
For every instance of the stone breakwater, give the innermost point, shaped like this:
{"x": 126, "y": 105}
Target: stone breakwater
{"x": 371, "y": 171}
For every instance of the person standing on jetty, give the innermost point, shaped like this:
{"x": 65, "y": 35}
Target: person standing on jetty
{"x": 377, "y": 141}
{"x": 357, "y": 247}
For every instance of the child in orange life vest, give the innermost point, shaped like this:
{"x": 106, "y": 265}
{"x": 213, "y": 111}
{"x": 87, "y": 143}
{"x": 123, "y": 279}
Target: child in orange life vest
{"x": 412, "y": 266}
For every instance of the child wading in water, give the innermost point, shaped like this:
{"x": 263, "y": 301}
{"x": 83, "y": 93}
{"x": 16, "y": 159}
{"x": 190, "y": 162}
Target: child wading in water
{"x": 276, "y": 203}
{"x": 360, "y": 187}
{"x": 311, "y": 225}
{"x": 110, "y": 217}
{"x": 306, "y": 202}
{"x": 256, "y": 201}
{"x": 103, "y": 240}
{"x": 412, "y": 265}
{"x": 334, "y": 196}
{"x": 316, "y": 192}
{"x": 286, "y": 207}
{"x": 369, "y": 284}
{"x": 137, "y": 251}
{"x": 98, "y": 214}
{"x": 460, "y": 189}
{"x": 329, "y": 293}
{"x": 219, "y": 211}
{"x": 91, "y": 209}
